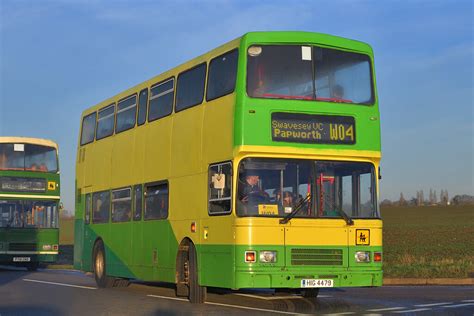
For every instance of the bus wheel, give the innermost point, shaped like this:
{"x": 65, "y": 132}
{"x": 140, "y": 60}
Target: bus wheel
{"x": 310, "y": 293}
{"x": 100, "y": 272}
{"x": 32, "y": 266}
{"x": 197, "y": 293}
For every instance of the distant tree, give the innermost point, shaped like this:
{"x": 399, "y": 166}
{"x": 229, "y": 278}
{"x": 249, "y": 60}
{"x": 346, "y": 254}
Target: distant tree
{"x": 402, "y": 201}
{"x": 435, "y": 199}
{"x": 431, "y": 201}
{"x": 413, "y": 201}
{"x": 463, "y": 200}
{"x": 386, "y": 202}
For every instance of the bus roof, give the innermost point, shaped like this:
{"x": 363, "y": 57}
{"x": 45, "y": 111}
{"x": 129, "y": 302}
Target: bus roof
{"x": 28, "y": 140}
{"x": 249, "y": 38}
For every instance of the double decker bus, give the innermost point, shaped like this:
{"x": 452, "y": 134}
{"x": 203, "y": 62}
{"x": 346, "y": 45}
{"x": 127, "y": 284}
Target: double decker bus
{"x": 254, "y": 165}
{"x": 29, "y": 201}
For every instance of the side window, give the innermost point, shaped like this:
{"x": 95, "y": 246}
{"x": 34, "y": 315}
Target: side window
{"x": 156, "y": 200}
{"x": 87, "y": 209}
{"x": 121, "y": 205}
{"x": 190, "y": 90}
{"x": 126, "y": 114}
{"x": 161, "y": 100}
{"x": 142, "y": 103}
{"x": 100, "y": 207}
{"x": 88, "y": 128}
{"x": 105, "y": 122}
{"x": 222, "y": 75}
{"x": 138, "y": 202}
{"x": 220, "y": 188}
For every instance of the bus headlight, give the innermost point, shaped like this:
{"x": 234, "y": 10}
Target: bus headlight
{"x": 46, "y": 247}
{"x": 268, "y": 256}
{"x": 362, "y": 256}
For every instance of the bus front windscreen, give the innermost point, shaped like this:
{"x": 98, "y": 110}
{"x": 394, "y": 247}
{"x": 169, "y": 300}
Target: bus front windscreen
{"x": 311, "y": 189}
{"x": 309, "y": 73}
{"x": 28, "y": 214}
{"x": 28, "y": 157}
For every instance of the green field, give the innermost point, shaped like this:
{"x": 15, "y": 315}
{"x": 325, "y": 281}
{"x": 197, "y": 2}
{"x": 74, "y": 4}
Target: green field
{"x": 419, "y": 242}
{"x": 66, "y": 230}
{"x": 428, "y": 242}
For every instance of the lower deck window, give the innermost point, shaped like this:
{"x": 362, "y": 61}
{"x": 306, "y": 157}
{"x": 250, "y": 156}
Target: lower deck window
{"x": 156, "y": 201}
{"x": 121, "y": 205}
{"x": 100, "y": 207}
{"x": 28, "y": 214}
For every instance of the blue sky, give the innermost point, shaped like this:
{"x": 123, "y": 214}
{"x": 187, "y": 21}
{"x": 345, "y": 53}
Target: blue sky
{"x": 59, "y": 57}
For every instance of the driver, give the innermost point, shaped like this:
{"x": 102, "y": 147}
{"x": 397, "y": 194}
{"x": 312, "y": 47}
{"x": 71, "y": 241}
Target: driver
{"x": 249, "y": 189}
{"x": 250, "y": 186}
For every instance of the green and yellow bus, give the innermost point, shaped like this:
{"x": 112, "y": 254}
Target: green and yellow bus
{"x": 254, "y": 165}
{"x": 29, "y": 201}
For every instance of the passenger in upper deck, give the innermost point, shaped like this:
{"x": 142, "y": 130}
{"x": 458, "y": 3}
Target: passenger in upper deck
{"x": 337, "y": 92}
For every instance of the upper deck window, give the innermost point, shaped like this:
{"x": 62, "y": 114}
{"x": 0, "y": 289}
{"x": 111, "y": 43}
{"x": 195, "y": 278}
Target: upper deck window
{"x": 28, "y": 157}
{"x": 161, "y": 100}
{"x": 105, "y": 123}
{"x": 190, "y": 87}
{"x": 142, "y": 104}
{"x": 222, "y": 74}
{"x": 88, "y": 128}
{"x": 309, "y": 73}
{"x": 126, "y": 113}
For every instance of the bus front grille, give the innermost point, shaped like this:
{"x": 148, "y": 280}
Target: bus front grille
{"x": 22, "y": 247}
{"x": 316, "y": 257}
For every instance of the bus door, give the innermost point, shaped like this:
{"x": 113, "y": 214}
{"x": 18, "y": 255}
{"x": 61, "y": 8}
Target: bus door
{"x": 316, "y": 239}
{"x": 120, "y": 240}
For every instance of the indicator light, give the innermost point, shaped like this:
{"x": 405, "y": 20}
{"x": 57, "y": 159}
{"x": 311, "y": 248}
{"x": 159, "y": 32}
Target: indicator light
{"x": 377, "y": 256}
{"x": 250, "y": 256}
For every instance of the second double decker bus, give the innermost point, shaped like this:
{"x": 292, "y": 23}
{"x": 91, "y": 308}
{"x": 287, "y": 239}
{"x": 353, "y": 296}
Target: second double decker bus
{"x": 29, "y": 201}
{"x": 252, "y": 166}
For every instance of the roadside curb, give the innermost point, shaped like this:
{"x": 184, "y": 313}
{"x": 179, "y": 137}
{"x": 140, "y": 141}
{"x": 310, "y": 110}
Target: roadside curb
{"x": 434, "y": 281}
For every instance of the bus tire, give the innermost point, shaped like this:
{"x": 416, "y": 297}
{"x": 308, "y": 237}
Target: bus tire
{"x": 100, "y": 272}
{"x": 32, "y": 266}
{"x": 310, "y": 293}
{"x": 197, "y": 293}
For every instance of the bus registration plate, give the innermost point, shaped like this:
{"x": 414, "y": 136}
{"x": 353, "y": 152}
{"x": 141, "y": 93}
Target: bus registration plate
{"x": 21, "y": 259}
{"x": 317, "y": 283}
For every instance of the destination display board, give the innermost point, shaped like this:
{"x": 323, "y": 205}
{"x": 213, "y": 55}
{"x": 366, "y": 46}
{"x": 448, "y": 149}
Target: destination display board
{"x": 14, "y": 184}
{"x": 314, "y": 129}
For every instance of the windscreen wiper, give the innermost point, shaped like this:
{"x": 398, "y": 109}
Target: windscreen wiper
{"x": 295, "y": 211}
{"x": 346, "y": 217}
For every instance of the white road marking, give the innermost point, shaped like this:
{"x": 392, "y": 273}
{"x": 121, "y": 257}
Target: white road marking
{"x": 62, "y": 284}
{"x": 168, "y": 297}
{"x": 254, "y": 309}
{"x": 413, "y": 310}
{"x": 385, "y": 309}
{"x": 343, "y": 313}
{"x": 433, "y": 304}
{"x": 459, "y": 305}
{"x": 468, "y": 301}
{"x": 227, "y": 305}
{"x": 269, "y": 298}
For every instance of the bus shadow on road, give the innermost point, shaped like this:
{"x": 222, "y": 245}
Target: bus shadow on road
{"x": 26, "y": 309}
